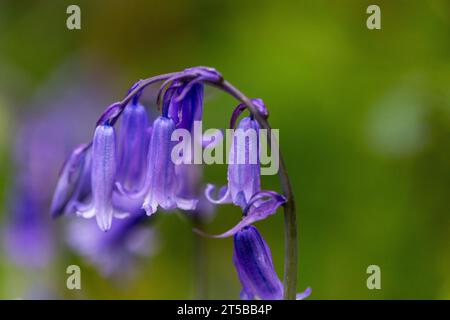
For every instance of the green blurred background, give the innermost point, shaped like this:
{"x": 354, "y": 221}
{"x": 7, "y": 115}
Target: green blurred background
{"x": 364, "y": 119}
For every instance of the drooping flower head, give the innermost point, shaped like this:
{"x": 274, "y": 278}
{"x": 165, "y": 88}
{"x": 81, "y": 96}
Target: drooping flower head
{"x": 143, "y": 175}
{"x": 146, "y": 176}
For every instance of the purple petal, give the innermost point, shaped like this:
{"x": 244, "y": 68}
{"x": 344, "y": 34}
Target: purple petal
{"x": 160, "y": 184}
{"x": 133, "y": 146}
{"x": 261, "y": 205}
{"x": 186, "y": 204}
{"x": 68, "y": 179}
{"x": 83, "y": 187}
{"x": 305, "y": 294}
{"x": 244, "y": 167}
{"x": 253, "y": 263}
{"x": 126, "y": 202}
{"x": 224, "y": 194}
{"x": 104, "y": 166}
{"x": 192, "y": 107}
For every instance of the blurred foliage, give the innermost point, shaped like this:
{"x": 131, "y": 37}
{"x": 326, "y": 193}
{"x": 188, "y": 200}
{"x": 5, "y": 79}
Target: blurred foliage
{"x": 364, "y": 120}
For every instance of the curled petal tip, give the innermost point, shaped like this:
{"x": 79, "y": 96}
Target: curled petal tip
{"x": 224, "y": 194}
{"x": 257, "y": 209}
{"x": 305, "y": 294}
{"x": 88, "y": 214}
{"x": 264, "y": 203}
{"x": 149, "y": 209}
{"x": 121, "y": 215}
{"x": 186, "y": 204}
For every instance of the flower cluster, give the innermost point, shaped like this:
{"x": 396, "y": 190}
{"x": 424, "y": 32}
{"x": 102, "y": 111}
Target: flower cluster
{"x": 113, "y": 177}
{"x": 40, "y": 144}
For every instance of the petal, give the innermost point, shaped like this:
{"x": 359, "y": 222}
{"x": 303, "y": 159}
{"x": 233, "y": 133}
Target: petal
{"x": 87, "y": 213}
{"x": 104, "y": 218}
{"x": 305, "y": 294}
{"x": 150, "y": 207}
{"x": 136, "y": 196}
{"x": 245, "y": 295}
{"x": 186, "y": 204}
{"x": 121, "y": 215}
{"x": 188, "y": 177}
{"x": 244, "y": 167}
{"x": 68, "y": 179}
{"x": 126, "y": 203}
{"x": 224, "y": 194}
{"x": 104, "y": 166}
{"x": 133, "y": 146}
{"x": 264, "y": 204}
{"x": 254, "y": 266}
{"x": 192, "y": 106}
{"x": 160, "y": 180}
{"x": 259, "y": 208}
{"x": 83, "y": 186}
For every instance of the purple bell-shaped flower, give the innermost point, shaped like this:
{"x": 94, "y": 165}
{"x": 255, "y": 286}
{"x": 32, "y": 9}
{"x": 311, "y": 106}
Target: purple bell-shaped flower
{"x": 103, "y": 175}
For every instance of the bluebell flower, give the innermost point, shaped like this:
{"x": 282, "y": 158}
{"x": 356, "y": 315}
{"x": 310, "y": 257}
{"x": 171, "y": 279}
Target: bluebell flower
{"x": 133, "y": 144}
{"x": 253, "y": 262}
{"x": 160, "y": 184}
{"x": 244, "y": 165}
{"x": 73, "y": 184}
{"x": 139, "y": 173}
{"x": 243, "y": 177}
{"x": 103, "y": 175}
{"x": 188, "y": 109}
{"x": 134, "y": 139}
